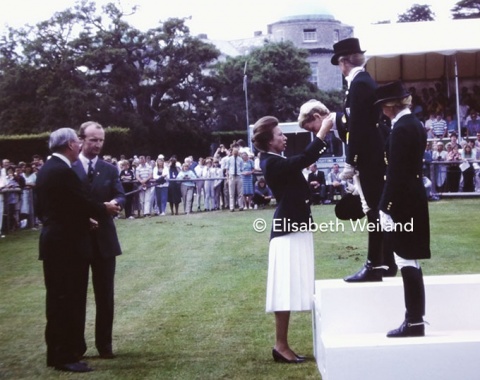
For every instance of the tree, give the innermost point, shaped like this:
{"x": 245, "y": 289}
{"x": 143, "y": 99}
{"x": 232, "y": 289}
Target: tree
{"x": 40, "y": 87}
{"x": 84, "y": 65}
{"x": 277, "y": 80}
{"x": 466, "y": 9}
{"x": 417, "y": 13}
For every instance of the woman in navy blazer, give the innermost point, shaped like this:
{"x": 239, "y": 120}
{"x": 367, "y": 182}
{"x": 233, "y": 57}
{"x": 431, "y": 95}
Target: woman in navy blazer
{"x": 290, "y": 283}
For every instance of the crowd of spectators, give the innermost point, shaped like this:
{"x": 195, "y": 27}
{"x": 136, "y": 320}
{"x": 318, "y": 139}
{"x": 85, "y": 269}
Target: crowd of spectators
{"x": 158, "y": 186}
{"x": 154, "y": 186}
{"x": 438, "y": 111}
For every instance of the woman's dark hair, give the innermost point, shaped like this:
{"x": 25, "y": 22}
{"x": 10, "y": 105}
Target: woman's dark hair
{"x": 263, "y": 132}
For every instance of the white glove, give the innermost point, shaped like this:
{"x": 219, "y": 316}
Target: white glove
{"x": 348, "y": 172}
{"x": 351, "y": 188}
{"x": 386, "y": 222}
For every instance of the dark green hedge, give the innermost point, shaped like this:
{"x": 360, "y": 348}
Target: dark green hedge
{"x": 22, "y": 147}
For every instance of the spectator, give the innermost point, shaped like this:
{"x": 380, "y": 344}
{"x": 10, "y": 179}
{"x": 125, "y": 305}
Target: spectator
{"x": 160, "y": 174}
{"x": 454, "y": 141}
{"x": 429, "y": 124}
{"x": 200, "y": 185}
{"x": 427, "y": 160}
{"x": 453, "y": 170}
{"x": 3, "y": 184}
{"x": 473, "y": 125}
{"x": 317, "y": 184}
{"x": 144, "y": 173}
{"x": 127, "y": 178}
{"x": 221, "y": 151}
{"x": 452, "y": 126}
{"x": 174, "y": 191}
{"x": 439, "y": 155}
{"x": 247, "y": 179}
{"x": 218, "y": 185}
{"x": 439, "y": 127}
{"x": 187, "y": 187}
{"x": 233, "y": 166}
{"x": 468, "y": 172}
{"x": 27, "y": 215}
{"x": 14, "y": 184}
{"x": 335, "y": 184}
{"x": 207, "y": 173}
{"x": 262, "y": 194}
{"x": 476, "y": 165}
{"x": 225, "y": 196}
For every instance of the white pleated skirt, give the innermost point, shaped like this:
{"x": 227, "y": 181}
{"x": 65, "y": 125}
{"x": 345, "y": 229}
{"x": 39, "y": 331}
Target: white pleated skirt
{"x": 291, "y": 273}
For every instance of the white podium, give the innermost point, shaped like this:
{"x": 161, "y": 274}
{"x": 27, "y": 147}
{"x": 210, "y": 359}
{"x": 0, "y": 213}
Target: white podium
{"x": 350, "y": 322}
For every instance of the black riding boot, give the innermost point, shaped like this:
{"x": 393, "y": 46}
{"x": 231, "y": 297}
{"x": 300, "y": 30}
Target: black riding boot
{"x": 414, "y": 290}
{"x": 368, "y": 273}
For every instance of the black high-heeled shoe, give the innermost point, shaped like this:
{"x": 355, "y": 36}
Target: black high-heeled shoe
{"x": 279, "y": 358}
{"x": 300, "y": 356}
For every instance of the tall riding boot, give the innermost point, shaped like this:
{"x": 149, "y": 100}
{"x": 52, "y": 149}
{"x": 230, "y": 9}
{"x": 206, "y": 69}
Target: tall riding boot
{"x": 414, "y": 290}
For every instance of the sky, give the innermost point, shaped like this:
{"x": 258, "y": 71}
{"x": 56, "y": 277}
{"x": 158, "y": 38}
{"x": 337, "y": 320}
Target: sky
{"x": 228, "y": 19}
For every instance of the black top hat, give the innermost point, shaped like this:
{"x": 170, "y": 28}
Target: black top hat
{"x": 391, "y": 91}
{"x": 349, "y": 208}
{"x": 345, "y": 47}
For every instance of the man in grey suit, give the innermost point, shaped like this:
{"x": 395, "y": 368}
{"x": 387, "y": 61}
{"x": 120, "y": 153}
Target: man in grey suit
{"x": 101, "y": 181}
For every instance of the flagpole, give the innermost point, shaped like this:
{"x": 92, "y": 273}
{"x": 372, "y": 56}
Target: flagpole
{"x": 245, "y": 89}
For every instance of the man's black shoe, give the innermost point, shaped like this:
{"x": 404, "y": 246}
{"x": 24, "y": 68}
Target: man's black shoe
{"x": 74, "y": 367}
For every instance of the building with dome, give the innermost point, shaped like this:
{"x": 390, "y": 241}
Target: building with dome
{"x": 316, "y": 32}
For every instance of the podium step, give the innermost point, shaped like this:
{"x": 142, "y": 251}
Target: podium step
{"x": 350, "y": 322}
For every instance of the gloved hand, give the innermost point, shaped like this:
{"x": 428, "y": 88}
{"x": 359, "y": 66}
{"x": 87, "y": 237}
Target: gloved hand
{"x": 386, "y": 222}
{"x": 348, "y": 172}
{"x": 351, "y": 188}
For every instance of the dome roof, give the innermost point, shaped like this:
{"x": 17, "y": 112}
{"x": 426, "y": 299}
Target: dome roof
{"x": 309, "y": 17}
{"x": 304, "y": 10}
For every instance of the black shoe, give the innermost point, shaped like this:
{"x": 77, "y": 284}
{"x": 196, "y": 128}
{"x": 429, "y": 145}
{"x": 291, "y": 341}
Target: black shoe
{"x": 106, "y": 355}
{"x": 302, "y": 357}
{"x": 279, "y": 358}
{"x": 408, "y": 329}
{"x": 74, "y": 367}
{"x": 391, "y": 271}
{"x": 367, "y": 274}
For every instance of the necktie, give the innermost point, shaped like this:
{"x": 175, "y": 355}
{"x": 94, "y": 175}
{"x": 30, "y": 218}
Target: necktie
{"x": 235, "y": 165}
{"x": 90, "y": 171}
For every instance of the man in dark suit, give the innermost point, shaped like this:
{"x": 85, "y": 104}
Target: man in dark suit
{"x": 65, "y": 212}
{"x": 317, "y": 184}
{"x": 101, "y": 181}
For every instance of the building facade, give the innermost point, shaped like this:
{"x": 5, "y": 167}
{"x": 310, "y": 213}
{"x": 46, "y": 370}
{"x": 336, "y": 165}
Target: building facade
{"x": 316, "y": 33}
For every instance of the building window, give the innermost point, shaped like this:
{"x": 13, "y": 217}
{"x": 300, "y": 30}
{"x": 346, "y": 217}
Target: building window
{"x": 336, "y": 35}
{"x": 280, "y": 35}
{"x": 309, "y": 35}
{"x": 314, "y": 76}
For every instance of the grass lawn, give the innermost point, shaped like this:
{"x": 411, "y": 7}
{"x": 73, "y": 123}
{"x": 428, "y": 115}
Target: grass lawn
{"x": 190, "y": 294}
